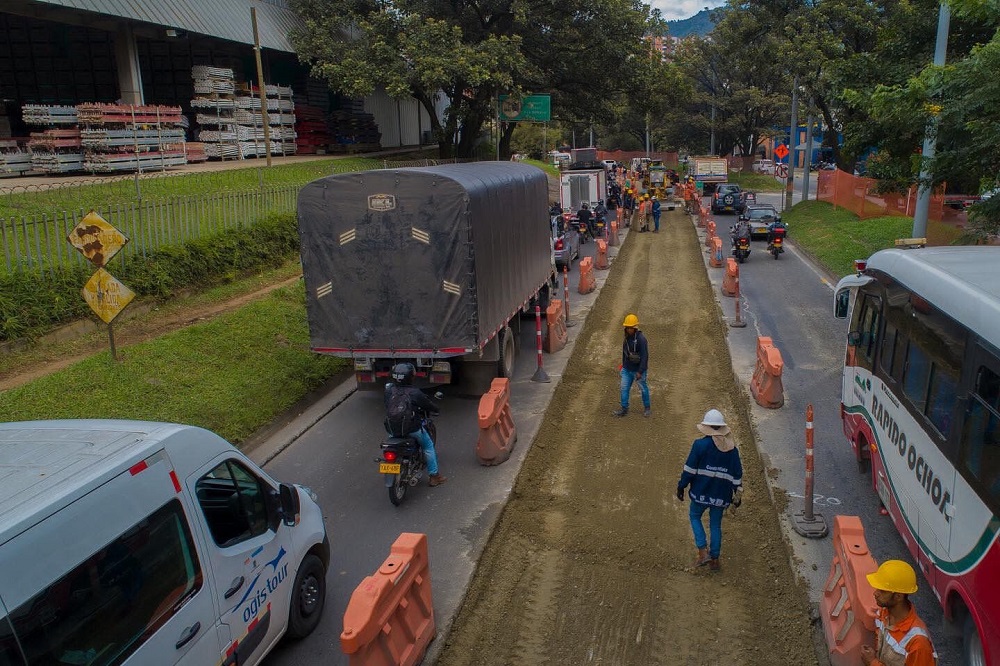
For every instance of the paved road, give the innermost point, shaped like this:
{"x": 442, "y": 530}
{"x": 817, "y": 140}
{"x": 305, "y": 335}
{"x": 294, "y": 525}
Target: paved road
{"x": 336, "y": 459}
{"x": 792, "y": 302}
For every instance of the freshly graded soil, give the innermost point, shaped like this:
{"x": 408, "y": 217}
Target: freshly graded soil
{"x": 592, "y": 560}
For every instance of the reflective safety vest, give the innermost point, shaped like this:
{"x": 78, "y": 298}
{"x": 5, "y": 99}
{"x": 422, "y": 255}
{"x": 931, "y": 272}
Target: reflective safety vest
{"x": 907, "y": 643}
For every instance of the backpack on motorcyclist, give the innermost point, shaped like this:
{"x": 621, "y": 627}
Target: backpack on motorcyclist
{"x": 400, "y": 416}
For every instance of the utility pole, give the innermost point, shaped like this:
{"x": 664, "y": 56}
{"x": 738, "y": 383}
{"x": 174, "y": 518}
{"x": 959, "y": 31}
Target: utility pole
{"x": 260, "y": 85}
{"x": 711, "y": 140}
{"x": 930, "y": 135}
{"x": 793, "y": 132}
{"x": 647, "y": 135}
{"x": 809, "y": 152}
{"x": 591, "y": 135}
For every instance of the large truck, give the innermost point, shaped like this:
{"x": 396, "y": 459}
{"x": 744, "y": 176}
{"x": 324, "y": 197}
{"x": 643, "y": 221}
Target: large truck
{"x": 579, "y": 186}
{"x": 430, "y": 265}
{"x": 710, "y": 171}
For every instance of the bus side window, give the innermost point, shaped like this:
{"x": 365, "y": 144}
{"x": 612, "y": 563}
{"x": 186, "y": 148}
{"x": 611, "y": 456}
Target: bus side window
{"x": 981, "y": 435}
{"x": 941, "y": 398}
{"x": 888, "y": 347}
{"x": 868, "y": 328}
{"x": 918, "y": 369}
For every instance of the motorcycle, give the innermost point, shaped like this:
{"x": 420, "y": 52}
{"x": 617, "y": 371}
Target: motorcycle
{"x": 775, "y": 242}
{"x": 402, "y": 462}
{"x": 599, "y": 228}
{"x": 585, "y": 231}
{"x": 741, "y": 248}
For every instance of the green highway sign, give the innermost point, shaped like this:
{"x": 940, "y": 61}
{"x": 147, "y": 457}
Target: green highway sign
{"x": 533, "y": 108}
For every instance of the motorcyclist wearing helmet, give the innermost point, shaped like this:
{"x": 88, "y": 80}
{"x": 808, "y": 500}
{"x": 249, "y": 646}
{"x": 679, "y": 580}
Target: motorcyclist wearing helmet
{"x": 601, "y": 211}
{"x": 584, "y": 216}
{"x": 402, "y": 374}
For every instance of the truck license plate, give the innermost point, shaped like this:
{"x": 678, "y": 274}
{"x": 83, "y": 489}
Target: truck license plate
{"x": 388, "y": 468}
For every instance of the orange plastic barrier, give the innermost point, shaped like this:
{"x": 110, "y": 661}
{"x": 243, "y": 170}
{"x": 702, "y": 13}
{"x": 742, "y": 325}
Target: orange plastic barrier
{"x": 715, "y": 256}
{"x": 765, "y": 385}
{"x": 702, "y": 217}
{"x": 390, "y": 618}
{"x": 602, "y": 254}
{"x": 588, "y": 282}
{"x": 732, "y": 274}
{"x": 497, "y": 433}
{"x": 555, "y": 329}
{"x": 710, "y": 225}
{"x": 848, "y": 605}
{"x": 615, "y": 226}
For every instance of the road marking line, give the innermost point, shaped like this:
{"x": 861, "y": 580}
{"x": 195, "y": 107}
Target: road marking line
{"x": 808, "y": 263}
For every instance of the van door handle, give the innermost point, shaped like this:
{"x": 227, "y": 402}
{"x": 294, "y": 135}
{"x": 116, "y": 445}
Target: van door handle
{"x": 188, "y": 634}
{"x": 234, "y": 587}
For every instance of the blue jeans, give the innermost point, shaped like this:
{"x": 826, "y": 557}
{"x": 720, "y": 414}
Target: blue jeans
{"x": 656, "y": 221}
{"x": 427, "y": 444}
{"x": 628, "y": 376}
{"x": 714, "y": 526}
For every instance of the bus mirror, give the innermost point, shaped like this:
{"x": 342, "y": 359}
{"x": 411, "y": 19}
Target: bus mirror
{"x": 854, "y": 338}
{"x": 842, "y": 303}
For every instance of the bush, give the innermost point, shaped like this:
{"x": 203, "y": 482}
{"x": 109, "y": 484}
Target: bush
{"x": 32, "y": 303}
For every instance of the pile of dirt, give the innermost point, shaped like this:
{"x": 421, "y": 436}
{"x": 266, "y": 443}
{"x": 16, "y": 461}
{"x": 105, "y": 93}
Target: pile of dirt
{"x": 592, "y": 560}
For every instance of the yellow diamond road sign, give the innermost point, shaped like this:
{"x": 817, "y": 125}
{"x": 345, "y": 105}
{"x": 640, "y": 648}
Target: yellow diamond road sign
{"x": 106, "y": 295}
{"x": 97, "y": 240}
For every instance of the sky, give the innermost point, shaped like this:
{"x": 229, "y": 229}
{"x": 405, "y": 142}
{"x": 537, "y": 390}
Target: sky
{"x": 682, "y": 9}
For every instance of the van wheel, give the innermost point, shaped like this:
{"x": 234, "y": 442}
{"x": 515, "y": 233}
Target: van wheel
{"x": 505, "y": 365}
{"x": 308, "y": 597}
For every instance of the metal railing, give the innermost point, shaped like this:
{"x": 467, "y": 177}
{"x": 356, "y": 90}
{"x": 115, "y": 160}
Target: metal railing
{"x": 37, "y": 242}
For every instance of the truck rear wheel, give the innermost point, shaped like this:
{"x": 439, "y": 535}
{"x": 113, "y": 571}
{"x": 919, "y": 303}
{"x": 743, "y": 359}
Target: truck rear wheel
{"x": 505, "y": 365}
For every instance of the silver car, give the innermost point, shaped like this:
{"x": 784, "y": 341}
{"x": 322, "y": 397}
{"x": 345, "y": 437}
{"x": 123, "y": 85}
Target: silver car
{"x": 565, "y": 242}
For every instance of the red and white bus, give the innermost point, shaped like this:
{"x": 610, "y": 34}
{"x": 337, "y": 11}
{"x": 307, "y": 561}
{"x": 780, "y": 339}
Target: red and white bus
{"x": 921, "y": 407}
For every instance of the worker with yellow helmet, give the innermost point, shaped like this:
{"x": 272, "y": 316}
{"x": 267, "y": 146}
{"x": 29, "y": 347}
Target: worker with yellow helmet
{"x": 635, "y": 363}
{"x": 901, "y": 638}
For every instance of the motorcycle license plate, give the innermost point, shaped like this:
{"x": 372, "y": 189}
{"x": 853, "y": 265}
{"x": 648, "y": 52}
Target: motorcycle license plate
{"x": 388, "y": 468}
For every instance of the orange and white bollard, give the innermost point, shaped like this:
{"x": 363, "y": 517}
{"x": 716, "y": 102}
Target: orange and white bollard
{"x": 808, "y": 523}
{"x": 738, "y": 321}
{"x": 540, "y": 374}
{"x": 569, "y": 324}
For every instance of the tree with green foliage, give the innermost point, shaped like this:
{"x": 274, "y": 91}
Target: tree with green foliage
{"x": 469, "y": 52}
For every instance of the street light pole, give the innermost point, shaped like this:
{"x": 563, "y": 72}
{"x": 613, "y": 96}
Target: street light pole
{"x": 930, "y": 135}
{"x": 793, "y": 138}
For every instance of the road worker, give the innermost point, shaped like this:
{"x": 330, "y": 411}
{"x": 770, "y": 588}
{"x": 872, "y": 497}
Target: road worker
{"x": 901, "y": 638}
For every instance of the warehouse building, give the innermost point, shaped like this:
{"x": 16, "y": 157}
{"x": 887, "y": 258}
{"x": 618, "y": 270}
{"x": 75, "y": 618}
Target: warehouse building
{"x": 142, "y": 52}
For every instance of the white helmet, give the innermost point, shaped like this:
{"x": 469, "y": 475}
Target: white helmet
{"x": 713, "y": 417}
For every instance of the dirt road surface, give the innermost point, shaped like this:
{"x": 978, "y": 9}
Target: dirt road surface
{"x": 592, "y": 560}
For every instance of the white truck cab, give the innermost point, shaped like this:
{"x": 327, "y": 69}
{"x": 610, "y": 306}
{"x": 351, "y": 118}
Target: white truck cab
{"x": 128, "y": 542}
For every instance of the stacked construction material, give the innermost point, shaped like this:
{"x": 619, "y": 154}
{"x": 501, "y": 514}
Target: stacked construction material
{"x": 126, "y": 137}
{"x": 55, "y": 149}
{"x": 354, "y": 131}
{"x": 195, "y": 152}
{"x": 15, "y": 158}
{"x": 215, "y": 106}
{"x": 280, "y": 119}
{"x": 311, "y": 133}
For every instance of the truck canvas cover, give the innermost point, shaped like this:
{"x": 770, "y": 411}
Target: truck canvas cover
{"x": 421, "y": 259}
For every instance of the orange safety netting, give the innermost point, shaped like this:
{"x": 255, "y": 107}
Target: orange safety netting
{"x": 625, "y": 156}
{"x": 859, "y": 196}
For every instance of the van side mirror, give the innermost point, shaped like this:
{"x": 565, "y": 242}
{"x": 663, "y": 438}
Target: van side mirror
{"x": 854, "y": 338}
{"x": 289, "y": 498}
{"x": 842, "y": 303}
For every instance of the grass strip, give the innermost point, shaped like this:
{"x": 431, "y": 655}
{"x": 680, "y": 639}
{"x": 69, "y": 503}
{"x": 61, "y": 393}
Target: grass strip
{"x": 232, "y": 375}
{"x": 756, "y": 182}
{"x": 836, "y": 237}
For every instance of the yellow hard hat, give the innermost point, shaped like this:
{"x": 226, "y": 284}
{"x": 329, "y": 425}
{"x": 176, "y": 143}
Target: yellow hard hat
{"x": 631, "y": 321}
{"x": 894, "y": 576}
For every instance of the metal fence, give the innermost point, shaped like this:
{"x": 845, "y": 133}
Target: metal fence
{"x": 34, "y": 244}
{"x": 38, "y": 242}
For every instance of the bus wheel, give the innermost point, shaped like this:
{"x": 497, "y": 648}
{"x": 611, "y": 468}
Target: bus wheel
{"x": 972, "y": 643}
{"x": 864, "y": 463}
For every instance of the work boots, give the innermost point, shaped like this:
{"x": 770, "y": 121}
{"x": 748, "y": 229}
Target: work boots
{"x": 620, "y": 412}
{"x": 437, "y": 480}
{"x": 703, "y": 558}
{"x": 713, "y": 565}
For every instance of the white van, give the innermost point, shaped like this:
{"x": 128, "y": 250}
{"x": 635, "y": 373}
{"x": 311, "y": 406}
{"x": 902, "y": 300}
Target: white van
{"x": 128, "y": 542}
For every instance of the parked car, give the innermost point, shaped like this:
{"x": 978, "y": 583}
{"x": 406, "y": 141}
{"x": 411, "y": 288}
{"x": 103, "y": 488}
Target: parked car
{"x": 609, "y": 164}
{"x": 565, "y": 241}
{"x": 760, "y": 216}
{"x": 729, "y": 198}
{"x": 763, "y": 166}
